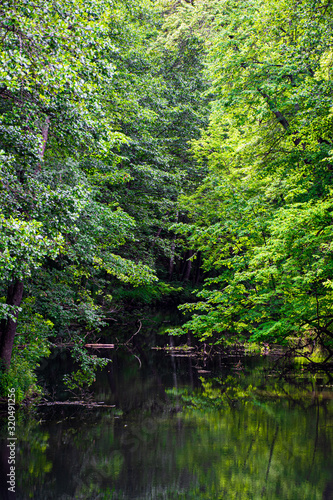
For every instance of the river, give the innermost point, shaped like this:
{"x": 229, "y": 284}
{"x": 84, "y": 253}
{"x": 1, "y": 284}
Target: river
{"x": 177, "y": 426}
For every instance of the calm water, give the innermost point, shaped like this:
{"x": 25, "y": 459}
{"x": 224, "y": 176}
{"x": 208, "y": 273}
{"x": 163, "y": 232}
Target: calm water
{"x": 182, "y": 429}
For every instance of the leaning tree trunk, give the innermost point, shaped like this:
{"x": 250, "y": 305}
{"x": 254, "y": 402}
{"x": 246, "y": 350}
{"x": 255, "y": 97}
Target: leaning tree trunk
{"x": 8, "y": 326}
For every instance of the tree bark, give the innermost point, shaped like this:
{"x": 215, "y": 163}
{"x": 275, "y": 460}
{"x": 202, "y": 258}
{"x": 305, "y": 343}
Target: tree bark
{"x": 172, "y": 260}
{"x": 8, "y": 326}
{"x": 197, "y": 275}
{"x": 45, "y": 132}
{"x": 188, "y": 266}
{"x": 278, "y": 115}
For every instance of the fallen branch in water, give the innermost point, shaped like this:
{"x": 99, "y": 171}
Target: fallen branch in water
{"x": 76, "y": 403}
{"x": 100, "y": 346}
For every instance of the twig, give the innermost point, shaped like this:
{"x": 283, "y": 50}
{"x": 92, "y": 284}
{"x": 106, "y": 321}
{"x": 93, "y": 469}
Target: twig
{"x": 137, "y": 357}
{"x": 129, "y": 340}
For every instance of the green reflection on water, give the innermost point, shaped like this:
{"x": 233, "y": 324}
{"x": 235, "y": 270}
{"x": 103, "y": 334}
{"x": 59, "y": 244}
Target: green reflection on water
{"x": 237, "y": 435}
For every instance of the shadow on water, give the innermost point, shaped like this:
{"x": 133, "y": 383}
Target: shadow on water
{"x": 183, "y": 427}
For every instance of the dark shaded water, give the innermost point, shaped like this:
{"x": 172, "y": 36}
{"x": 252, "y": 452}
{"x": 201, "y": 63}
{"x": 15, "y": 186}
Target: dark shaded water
{"x": 236, "y": 432}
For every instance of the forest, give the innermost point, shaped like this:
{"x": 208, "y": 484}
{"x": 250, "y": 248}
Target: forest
{"x": 167, "y": 150}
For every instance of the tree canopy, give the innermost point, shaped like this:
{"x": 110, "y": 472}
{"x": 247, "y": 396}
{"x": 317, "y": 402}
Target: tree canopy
{"x": 157, "y": 142}
{"x": 263, "y": 215}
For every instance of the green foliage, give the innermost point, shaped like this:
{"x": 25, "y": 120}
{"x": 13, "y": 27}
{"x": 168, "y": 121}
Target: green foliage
{"x": 61, "y": 223}
{"x": 84, "y": 376}
{"x": 96, "y": 113}
{"x": 23, "y": 247}
{"x": 99, "y": 102}
{"x": 263, "y": 217}
{"x": 32, "y": 342}
{"x": 148, "y": 294}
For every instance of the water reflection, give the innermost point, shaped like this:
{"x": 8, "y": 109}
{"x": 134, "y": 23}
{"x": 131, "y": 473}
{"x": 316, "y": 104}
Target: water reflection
{"x": 231, "y": 433}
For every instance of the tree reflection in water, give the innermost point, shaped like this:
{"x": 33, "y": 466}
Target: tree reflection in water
{"x": 232, "y": 433}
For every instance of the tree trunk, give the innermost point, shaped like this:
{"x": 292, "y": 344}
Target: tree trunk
{"x": 8, "y": 326}
{"x": 172, "y": 260}
{"x": 44, "y": 129}
{"x": 197, "y": 274}
{"x": 188, "y": 266}
{"x": 45, "y": 133}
